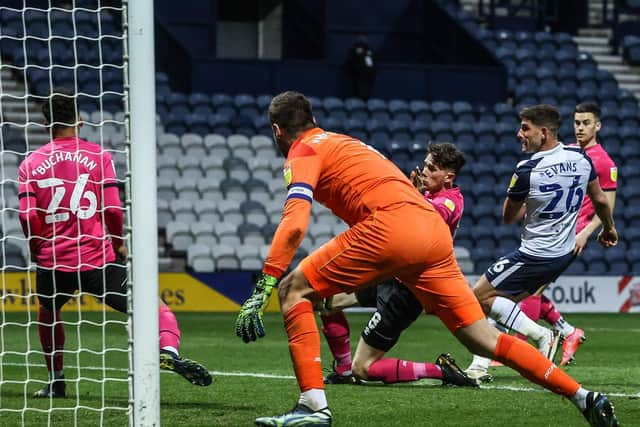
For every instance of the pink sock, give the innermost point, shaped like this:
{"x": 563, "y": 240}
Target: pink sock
{"x": 548, "y": 311}
{"x": 169, "y": 330}
{"x": 392, "y": 371}
{"x": 335, "y": 328}
{"x": 51, "y": 333}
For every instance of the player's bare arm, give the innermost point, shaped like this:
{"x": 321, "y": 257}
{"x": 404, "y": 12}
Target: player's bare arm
{"x": 608, "y": 237}
{"x": 583, "y": 236}
{"x": 513, "y": 210}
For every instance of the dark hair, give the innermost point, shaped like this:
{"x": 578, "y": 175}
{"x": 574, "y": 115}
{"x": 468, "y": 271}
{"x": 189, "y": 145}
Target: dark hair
{"x": 447, "y": 156}
{"x": 542, "y": 115}
{"x": 589, "y": 107}
{"x": 292, "y": 112}
{"x": 60, "y": 109}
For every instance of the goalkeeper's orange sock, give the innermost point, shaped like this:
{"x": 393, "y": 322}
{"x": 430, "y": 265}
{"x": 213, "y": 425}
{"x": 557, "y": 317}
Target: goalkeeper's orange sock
{"x": 532, "y": 365}
{"x": 304, "y": 345}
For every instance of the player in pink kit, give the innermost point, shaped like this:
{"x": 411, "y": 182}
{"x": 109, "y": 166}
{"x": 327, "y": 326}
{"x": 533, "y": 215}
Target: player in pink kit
{"x": 396, "y": 307}
{"x": 67, "y": 190}
{"x": 586, "y": 125}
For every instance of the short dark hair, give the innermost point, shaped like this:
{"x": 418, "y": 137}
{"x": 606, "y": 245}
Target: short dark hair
{"x": 292, "y": 112}
{"x": 447, "y": 156}
{"x": 542, "y": 115}
{"x": 589, "y": 107}
{"x": 60, "y": 108}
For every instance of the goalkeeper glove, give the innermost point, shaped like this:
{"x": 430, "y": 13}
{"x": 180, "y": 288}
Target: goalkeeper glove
{"x": 249, "y": 322}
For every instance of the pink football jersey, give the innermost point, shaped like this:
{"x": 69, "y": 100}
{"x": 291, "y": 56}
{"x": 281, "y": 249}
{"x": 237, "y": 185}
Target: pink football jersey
{"x": 607, "y": 176}
{"x": 449, "y": 203}
{"x": 67, "y": 191}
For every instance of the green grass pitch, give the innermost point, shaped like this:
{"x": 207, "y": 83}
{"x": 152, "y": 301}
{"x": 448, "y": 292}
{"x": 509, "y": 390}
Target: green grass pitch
{"x": 252, "y": 380}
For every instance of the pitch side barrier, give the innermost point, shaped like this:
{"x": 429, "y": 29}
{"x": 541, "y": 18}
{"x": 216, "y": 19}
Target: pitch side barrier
{"x": 225, "y": 291}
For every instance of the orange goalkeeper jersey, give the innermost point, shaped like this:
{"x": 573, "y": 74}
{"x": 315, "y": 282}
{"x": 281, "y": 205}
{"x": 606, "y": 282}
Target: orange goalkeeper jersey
{"x": 344, "y": 174}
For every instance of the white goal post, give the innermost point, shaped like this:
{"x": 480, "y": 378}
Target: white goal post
{"x": 102, "y": 50}
{"x": 144, "y": 231}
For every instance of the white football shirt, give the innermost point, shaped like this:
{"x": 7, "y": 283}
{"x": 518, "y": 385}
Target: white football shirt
{"x": 552, "y": 184}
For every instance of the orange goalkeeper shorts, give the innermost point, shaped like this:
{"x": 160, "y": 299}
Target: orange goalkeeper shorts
{"x": 403, "y": 240}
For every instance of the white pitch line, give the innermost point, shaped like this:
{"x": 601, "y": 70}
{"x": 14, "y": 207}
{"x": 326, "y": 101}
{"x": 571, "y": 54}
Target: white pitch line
{"x": 291, "y": 377}
{"x": 633, "y": 330}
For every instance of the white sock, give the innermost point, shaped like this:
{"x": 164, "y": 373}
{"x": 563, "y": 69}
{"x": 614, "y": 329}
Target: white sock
{"x": 171, "y": 349}
{"x": 479, "y": 363}
{"x": 580, "y": 398}
{"x": 314, "y": 399}
{"x": 508, "y": 314}
{"x": 565, "y": 328}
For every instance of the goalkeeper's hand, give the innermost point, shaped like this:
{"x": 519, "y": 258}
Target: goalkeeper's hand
{"x": 249, "y": 322}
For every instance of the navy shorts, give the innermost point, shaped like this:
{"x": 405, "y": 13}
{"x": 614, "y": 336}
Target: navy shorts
{"x": 517, "y": 272}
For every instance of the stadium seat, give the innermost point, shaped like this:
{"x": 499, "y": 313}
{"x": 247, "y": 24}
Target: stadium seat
{"x": 164, "y": 214}
{"x": 165, "y": 188}
{"x": 463, "y": 111}
{"x": 212, "y": 168}
{"x": 206, "y": 211}
{"x": 225, "y": 257}
{"x": 189, "y": 167}
{"x": 335, "y": 107}
{"x": 251, "y": 234}
{"x": 268, "y": 230}
{"x": 179, "y": 235}
{"x": 200, "y": 259}
{"x": 167, "y": 167}
{"x": 441, "y": 130}
{"x": 260, "y": 168}
{"x": 193, "y": 145}
{"x": 321, "y": 233}
{"x": 356, "y": 109}
{"x": 236, "y": 168}
{"x": 421, "y": 130}
{"x": 254, "y": 212}
{"x": 233, "y": 189}
{"x": 378, "y": 109}
{"x": 442, "y": 111}
{"x": 400, "y": 131}
{"x": 420, "y": 110}
{"x": 227, "y": 233}
{"x": 186, "y": 188}
{"x": 203, "y": 233}
{"x": 399, "y": 110}
{"x": 182, "y": 210}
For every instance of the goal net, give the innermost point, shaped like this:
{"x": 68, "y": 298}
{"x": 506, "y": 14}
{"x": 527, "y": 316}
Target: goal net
{"x": 82, "y": 46}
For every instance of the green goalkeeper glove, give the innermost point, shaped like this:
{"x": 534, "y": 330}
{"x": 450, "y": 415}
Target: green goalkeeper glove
{"x": 249, "y": 322}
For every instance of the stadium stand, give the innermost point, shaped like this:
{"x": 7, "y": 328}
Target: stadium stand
{"x": 219, "y": 174}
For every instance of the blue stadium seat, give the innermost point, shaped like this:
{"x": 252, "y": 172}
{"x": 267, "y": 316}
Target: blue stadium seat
{"x": 399, "y": 110}
{"x": 463, "y": 111}
{"x": 334, "y": 124}
{"x": 356, "y": 108}
{"x": 400, "y": 131}
{"x": 464, "y": 132}
{"x": 442, "y": 111}
{"x": 420, "y": 110}
{"x": 442, "y": 131}
{"x": 221, "y": 100}
{"x": 485, "y": 131}
{"x": 421, "y": 130}
{"x": 198, "y": 123}
{"x": 378, "y": 109}
{"x": 418, "y": 150}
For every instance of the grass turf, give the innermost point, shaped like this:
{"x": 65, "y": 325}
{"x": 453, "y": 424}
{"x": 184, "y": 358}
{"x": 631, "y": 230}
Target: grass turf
{"x": 241, "y": 391}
